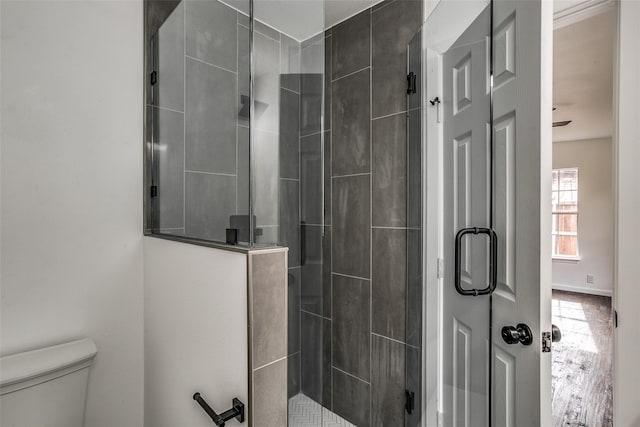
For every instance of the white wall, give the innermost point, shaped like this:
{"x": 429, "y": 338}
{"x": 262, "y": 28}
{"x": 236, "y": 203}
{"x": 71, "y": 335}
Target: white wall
{"x": 195, "y": 331}
{"x": 595, "y": 220}
{"x": 71, "y": 190}
{"x": 627, "y": 296}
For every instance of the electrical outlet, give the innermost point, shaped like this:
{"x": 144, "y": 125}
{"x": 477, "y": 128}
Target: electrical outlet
{"x": 590, "y": 279}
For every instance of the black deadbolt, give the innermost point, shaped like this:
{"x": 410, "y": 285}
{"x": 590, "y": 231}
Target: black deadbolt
{"x": 520, "y": 334}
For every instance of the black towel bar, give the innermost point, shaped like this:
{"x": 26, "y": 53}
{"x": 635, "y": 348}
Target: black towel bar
{"x": 237, "y": 411}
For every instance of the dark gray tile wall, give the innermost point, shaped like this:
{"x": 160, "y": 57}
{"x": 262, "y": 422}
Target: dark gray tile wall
{"x": 290, "y": 219}
{"x": 315, "y": 243}
{"x": 351, "y": 325}
{"x": 289, "y": 204}
{"x": 372, "y": 250}
{"x": 351, "y": 398}
{"x": 351, "y": 225}
{"x": 351, "y": 124}
{"x": 387, "y": 382}
{"x": 351, "y": 45}
{"x": 294, "y": 282}
{"x": 289, "y": 133}
{"x": 389, "y": 282}
{"x": 293, "y": 375}
{"x": 312, "y": 263}
{"x": 311, "y": 355}
{"x": 311, "y": 157}
{"x": 393, "y": 26}
{"x": 389, "y": 153}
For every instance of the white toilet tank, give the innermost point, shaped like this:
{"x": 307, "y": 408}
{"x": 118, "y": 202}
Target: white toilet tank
{"x": 47, "y": 386}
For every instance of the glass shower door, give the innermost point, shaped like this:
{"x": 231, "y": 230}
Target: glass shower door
{"x": 457, "y": 101}
{"x": 197, "y": 134}
{"x": 487, "y": 109}
{"x": 415, "y": 288}
{"x": 287, "y": 185}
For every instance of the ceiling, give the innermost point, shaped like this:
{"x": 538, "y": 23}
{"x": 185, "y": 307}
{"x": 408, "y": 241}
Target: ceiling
{"x": 583, "y": 78}
{"x": 302, "y": 19}
{"x": 336, "y": 11}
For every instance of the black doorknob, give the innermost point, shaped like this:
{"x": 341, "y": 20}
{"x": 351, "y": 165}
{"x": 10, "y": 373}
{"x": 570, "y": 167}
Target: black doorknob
{"x": 520, "y": 334}
{"x": 556, "y": 335}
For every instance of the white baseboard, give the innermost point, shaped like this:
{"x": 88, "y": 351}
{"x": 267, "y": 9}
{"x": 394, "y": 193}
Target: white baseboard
{"x": 582, "y": 289}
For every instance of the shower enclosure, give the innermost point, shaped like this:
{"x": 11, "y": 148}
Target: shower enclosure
{"x": 267, "y": 127}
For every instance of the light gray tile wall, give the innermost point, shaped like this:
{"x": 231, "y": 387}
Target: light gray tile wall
{"x": 170, "y": 62}
{"x": 169, "y": 137}
{"x": 201, "y": 59}
{"x": 268, "y": 290}
{"x": 210, "y": 128}
{"x": 211, "y": 33}
{"x": 270, "y": 396}
{"x": 289, "y": 63}
{"x": 209, "y": 199}
{"x": 266, "y": 57}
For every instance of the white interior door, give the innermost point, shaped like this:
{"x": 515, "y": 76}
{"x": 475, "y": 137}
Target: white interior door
{"x": 522, "y": 89}
{"x": 466, "y": 107}
{"x": 507, "y": 151}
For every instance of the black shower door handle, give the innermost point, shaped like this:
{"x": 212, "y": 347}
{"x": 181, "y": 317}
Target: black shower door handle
{"x": 493, "y": 261}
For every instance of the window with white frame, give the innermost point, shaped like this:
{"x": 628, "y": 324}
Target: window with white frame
{"x": 565, "y": 213}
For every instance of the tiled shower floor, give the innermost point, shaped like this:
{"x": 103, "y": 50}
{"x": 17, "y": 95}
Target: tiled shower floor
{"x": 304, "y": 412}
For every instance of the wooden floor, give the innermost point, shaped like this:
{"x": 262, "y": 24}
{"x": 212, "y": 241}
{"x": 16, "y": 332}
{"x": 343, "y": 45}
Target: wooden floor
{"x": 582, "y": 360}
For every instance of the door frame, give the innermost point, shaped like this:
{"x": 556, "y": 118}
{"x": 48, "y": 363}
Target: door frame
{"x": 626, "y": 175}
{"x": 626, "y": 149}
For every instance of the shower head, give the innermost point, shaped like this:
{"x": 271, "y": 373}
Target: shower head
{"x": 245, "y": 102}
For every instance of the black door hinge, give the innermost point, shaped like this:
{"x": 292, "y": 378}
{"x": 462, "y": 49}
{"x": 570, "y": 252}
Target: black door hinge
{"x": 615, "y": 318}
{"x": 154, "y": 77}
{"x": 154, "y": 191}
{"x": 411, "y": 83}
{"x": 409, "y": 404}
